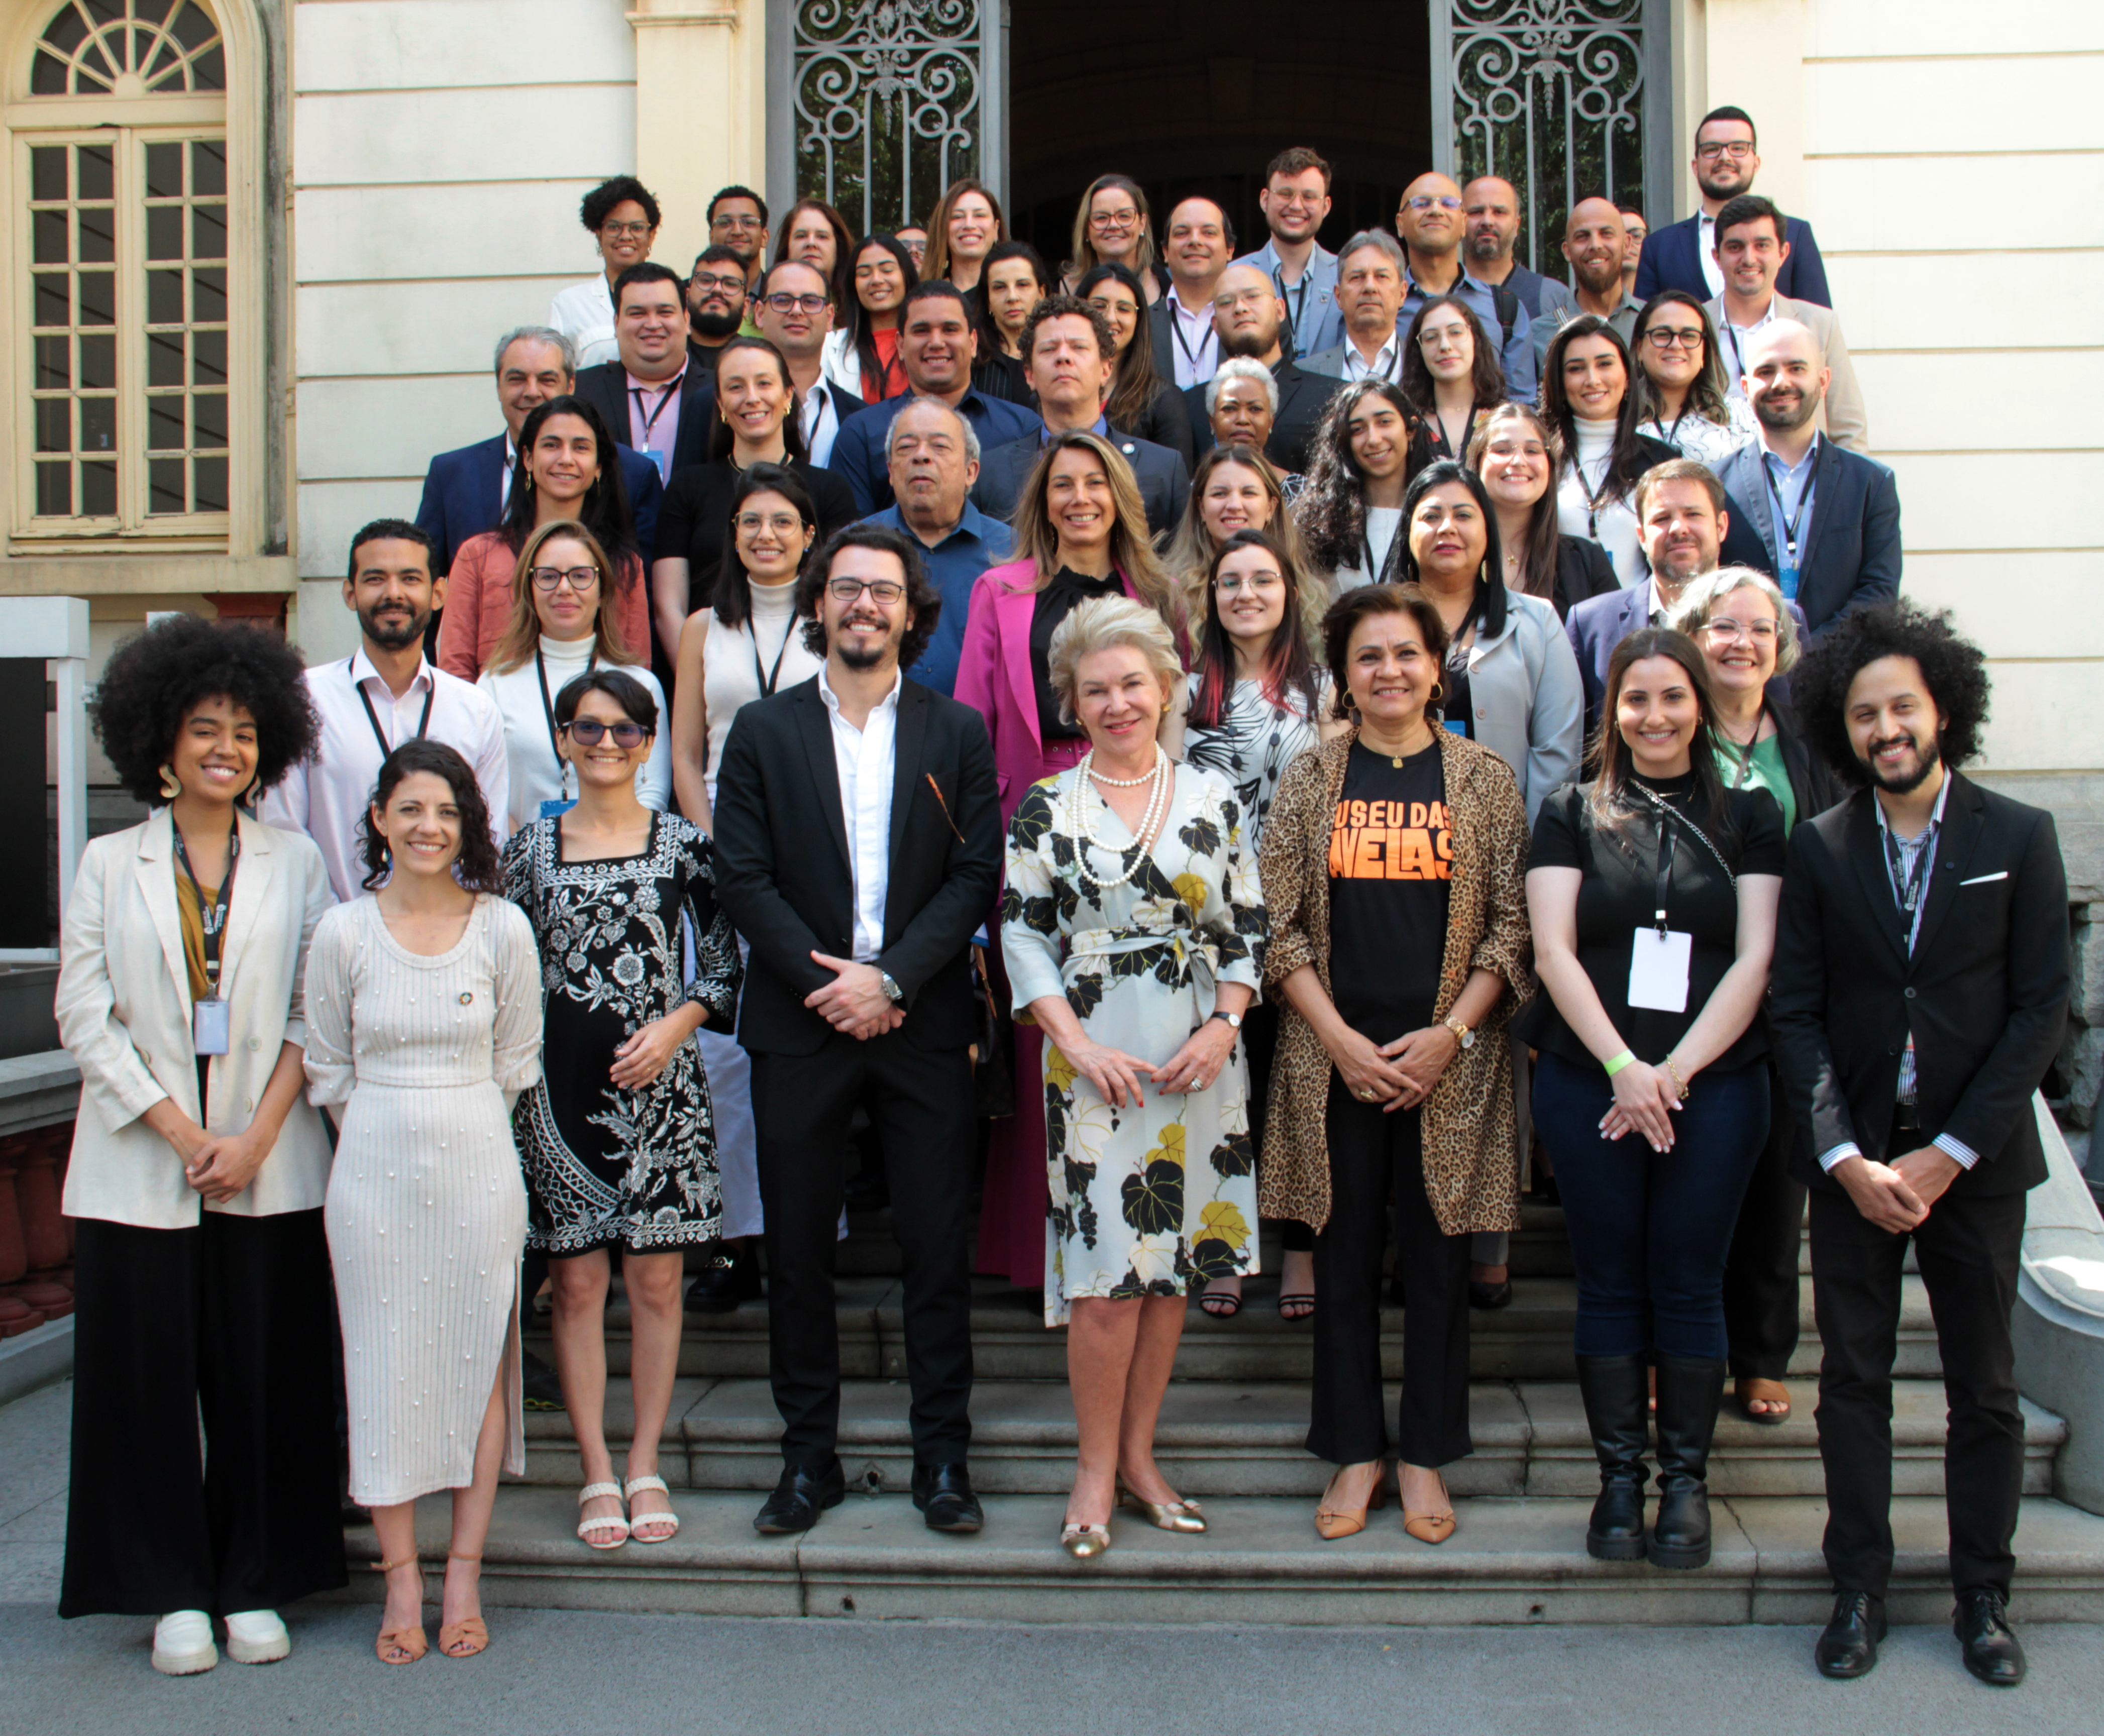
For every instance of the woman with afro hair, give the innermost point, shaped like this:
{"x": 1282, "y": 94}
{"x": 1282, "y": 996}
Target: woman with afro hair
{"x": 198, "y": 1168}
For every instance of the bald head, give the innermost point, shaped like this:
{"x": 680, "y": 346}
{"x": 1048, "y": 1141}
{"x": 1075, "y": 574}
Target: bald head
{"x": 1786, "y": 376}
{"x": 1490, "y": 208}
{"x": 1247, "y": 313}
{"x": 1429, "y": 217}
{"x": 1593, "y": 241}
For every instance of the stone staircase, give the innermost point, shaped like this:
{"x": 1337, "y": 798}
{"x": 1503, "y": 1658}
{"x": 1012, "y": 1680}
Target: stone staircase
{"x": 1232, "y": 1432}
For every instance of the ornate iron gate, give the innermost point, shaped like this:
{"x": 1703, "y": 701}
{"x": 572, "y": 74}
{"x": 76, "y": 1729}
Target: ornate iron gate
{"x": 876, "y": 105}
{"x": 1564, "y": 98}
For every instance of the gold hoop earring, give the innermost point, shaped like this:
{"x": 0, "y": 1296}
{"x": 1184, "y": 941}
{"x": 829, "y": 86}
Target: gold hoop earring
{"x": 1351, "y": 700}
{"x": 1437, "y": 693}
{"x": 171, "y": 785}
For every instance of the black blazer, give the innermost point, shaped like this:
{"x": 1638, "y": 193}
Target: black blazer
{"x": 1583, "y": 570}
{"x": 782, "y": 864}
{"x": 1303, "y": 397}
{"x": 1984, "y": 993}
{"x": 1164, "y": 482}
{"x": 606, "y": 388}
{"x": 1164, "y": 422}
{"x": 1852, "y": 552}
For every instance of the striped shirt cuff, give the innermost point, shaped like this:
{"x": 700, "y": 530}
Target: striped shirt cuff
{"x": 1961, "y": 1153}
{"x": 1846, "y": 1149}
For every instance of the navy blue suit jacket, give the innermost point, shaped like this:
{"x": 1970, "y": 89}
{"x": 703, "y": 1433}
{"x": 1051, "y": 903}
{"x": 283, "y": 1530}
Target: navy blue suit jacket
{"x": 1672, "y": 258}
{"x": 1165, "y": 484}
{"x": 1851, "y": 551}
{"x": 1599, "y": 624}
{"x": 461, "y": 492}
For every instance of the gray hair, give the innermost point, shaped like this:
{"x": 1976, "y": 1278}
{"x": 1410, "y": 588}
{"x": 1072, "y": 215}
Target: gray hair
{"x": 538, "y": 334}
{"x": 1385, "y": 244}
{"x": 891, "y": 433}
{"x": 1106, "y": 623}
{"x": 1241, "y": 367}
{"x": 1701, "y": 598}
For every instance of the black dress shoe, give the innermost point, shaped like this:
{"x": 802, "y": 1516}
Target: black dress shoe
{"x": 539, "y": 1389}
{"x": 943, "y": 1493}
{"x": 1490, "y": 1296}
{"x": 805, "y": 1491}
{"x": 1991, "y": 1650}
{"x": 1848, "y": 1647}
{"x": 720, "y": 1289}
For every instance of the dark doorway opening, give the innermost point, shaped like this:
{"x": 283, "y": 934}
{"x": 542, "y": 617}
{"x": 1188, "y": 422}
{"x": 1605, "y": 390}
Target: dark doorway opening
{"x": 1191, "y": 98}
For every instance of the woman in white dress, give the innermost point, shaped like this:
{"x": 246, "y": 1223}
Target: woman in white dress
{"x": 423, "y": 1027}
{"x": 1133, "y": 928}
{"x": 749, "y": 646}
{"x": 1684, "y": 397}
{"x": 621, "y": 217}
{"x": 561, "y": 628}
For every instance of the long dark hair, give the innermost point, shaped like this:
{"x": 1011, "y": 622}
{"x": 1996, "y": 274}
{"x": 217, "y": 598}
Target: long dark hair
{"x": 1706, "y": 392}
{"x": 1489, "y": 607}
{"x": 477, "y": 867}
{"x": 733, "y": 592}
{"x": 1537, "y": 559}
{"x": 720, "y": 438}
{"x": 854, "y": 316}
{"x": 1608, "y": 756}
{"x": 1487, "y": 382}
{"x": 1134, "y": 384}
{"x": 605, "y": 510}
{"x": 1625, "y": 459}
{"x": 1000, "y": 254}
{"x": 842, "y": 284}
{"x": 1289, "y": 666}
{"x": 1331, "y": 511}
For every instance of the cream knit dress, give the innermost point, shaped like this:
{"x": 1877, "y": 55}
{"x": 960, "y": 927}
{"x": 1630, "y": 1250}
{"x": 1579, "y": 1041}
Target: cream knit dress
{"x": 423, "y": 1058}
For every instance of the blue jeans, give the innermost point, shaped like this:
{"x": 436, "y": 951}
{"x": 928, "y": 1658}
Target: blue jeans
{"x": 1650, "y": 1231}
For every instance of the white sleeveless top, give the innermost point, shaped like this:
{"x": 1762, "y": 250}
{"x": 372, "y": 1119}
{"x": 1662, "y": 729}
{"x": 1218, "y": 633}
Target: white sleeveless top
{"x": 734, "y": 658}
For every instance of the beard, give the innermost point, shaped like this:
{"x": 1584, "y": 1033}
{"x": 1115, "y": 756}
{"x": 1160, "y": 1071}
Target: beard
{"x": 1931, "y": 755}
{"x": 1785, "y": 418}
{"x": 1249, "y": 342}
{"x": 864, "y": 656}
{"x": 713, "y": 325}
{"x": 395, "y": 634}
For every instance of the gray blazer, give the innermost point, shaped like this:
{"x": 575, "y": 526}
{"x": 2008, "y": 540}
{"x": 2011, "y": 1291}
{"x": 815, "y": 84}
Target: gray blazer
{"x": 1526, "y": 702}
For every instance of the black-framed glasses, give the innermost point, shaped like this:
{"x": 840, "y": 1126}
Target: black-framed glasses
{"x": 732, "y": 285}
{"x": 580, "y": 579}
{"x": 782, "y": 302}
{"x": 1738, "y": 150}
{"x": 588, "y": 731}
{"x": 1672, "y": 337}
{"x": 638, "y": 231}
{"x": 884, "y": 592}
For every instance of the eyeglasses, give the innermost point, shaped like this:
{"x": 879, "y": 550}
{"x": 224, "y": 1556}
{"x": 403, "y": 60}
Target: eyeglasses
{"x": 1113, "y": 219}
{"x": 1730, "y": 630}
{"x": 636, "y": 230}
{"x": 1738, "y": 150}
{"x": 782, "y": 302}
{"x": 735, "y": 222}
{"x": 1426, "y": 201}
{"x": 588, "y": 731}
{"x": 582, "y": 579}
{"x": 884, "y": 592}
{"x": 1232, "y": 299}
{"x": 1674, "y": 337}
{"x": 1255, "y": 581}
{"x": 782, "y": 524}
{"x": 733, "y": 285}
{"x": 1442, "y": 337}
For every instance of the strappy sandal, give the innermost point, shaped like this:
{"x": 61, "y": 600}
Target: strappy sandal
{"x": 1295, "y": 1309}
{"x": 1220, "y": 1305}
{"x": 586, "y": 1528}
{"x": 1748, "y": 1391}
{"x": 469, "y": 1631}
{"x": 409, "y": 1641}
{"x": 635, "y": 1520}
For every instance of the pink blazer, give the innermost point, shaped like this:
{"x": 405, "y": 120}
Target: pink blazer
{"x": 994, "y": 674}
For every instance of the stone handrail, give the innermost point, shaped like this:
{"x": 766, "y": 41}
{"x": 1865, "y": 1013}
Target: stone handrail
{"x": 2059, "y": 1322}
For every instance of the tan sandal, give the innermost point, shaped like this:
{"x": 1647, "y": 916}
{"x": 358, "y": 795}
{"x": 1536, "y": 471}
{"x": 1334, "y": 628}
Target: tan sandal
{"x": 451, "y": 1634}
{"x": 409, "y": 1641}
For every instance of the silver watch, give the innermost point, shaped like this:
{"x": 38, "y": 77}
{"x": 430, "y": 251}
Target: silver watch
{"x": 897, "y": 994}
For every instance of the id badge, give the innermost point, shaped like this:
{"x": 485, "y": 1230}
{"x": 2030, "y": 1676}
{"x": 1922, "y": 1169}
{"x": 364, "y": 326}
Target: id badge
{"x": 550, "y": 808}
{"x": 210, "y": 1026}
{"x": 1659, "y": 965}
{"x": 1786, "y": 582}
{"x": 662, "y": 459}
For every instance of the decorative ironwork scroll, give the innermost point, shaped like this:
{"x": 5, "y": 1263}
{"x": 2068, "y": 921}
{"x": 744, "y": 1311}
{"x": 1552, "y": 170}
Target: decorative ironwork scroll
{"x": 1566, "y": 99}
{"x": 889, "y": 102}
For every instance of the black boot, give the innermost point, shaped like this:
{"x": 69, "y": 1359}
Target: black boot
{"x": 1689, "y": 1393}
{"x": 1614, "y": 1391}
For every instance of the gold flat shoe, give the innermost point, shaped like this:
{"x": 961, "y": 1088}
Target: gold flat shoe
{"x": 1165, "y": 1515}
{"x": 1332, "y": 1522}
{"x": 1083, "y": 1541}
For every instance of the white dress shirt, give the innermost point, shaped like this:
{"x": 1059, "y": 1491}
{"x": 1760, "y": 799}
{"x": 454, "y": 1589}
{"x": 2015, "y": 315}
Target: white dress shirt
{"x": 1705, "y": 248}
{"x": 1193, "y": 342}
{"x": 1737, "y": 341}
{"x": 1387, "y": 363}
{"x": 819, "y": 421}
{"x": 866, "y": 758}
{"x": 584, "y": 314}
{"x": 326, "y": 797}
{"x": 504, "y": 476}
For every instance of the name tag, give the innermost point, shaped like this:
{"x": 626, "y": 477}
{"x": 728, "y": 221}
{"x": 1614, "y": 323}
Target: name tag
{"x": 552, "y": 808}
{"x": 1786, "y": 581}
{"x": 211, "y": 1027}
{"x": 662, "y": 459}
{"x": 1659, "y": 965}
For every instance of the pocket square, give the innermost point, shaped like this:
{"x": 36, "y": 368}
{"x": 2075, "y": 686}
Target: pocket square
{"x": 1981, "y": 879}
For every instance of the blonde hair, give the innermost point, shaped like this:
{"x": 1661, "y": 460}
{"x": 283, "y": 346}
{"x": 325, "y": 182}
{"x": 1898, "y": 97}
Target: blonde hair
{"x": 1132, "y": 545}
{"x": 522, "y": 634}
{"x": 1699, "y": 601}
{"x": 1192, "y": 546}
{"x": 1085, "y": 258}
{"x": 1109, "y": 624}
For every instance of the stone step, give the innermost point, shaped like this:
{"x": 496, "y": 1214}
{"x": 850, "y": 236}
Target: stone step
{"x": 1513, "y": 1560}
{"x": 1221, "y": 1438}
{"x": 1529, "y": 1340}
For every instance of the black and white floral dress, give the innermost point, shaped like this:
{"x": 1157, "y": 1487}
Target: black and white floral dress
{"x": 606, "y": 1167}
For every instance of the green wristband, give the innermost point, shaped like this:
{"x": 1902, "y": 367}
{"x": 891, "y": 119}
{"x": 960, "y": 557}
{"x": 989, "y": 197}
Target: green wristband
{"x": 1620, "y": 1061}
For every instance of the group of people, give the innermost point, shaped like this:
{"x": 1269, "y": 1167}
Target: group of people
{"x": 1348, "y": 780}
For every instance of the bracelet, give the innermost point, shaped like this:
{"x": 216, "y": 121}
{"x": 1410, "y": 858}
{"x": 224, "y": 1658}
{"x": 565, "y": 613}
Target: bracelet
{"x": 1679, "y": 1084}
{"x": 1620, "y": 1061}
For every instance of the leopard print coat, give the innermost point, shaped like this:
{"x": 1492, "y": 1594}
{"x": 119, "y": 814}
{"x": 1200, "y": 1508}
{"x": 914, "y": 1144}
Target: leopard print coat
{"x": 1471, "y": 1146}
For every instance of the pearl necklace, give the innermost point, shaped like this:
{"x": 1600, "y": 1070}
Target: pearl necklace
{"x": 1082, "y": 824}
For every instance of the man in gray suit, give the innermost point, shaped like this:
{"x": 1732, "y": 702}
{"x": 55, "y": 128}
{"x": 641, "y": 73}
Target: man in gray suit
{"x": 1369, "y": 278}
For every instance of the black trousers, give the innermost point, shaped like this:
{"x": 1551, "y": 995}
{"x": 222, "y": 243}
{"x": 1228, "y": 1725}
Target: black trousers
{"x": 1377, "y": 1164}
{"x": 1259, "y": 1044}
{"x": 227, "y": 1323}
{"x": 1967, "y": 1250}
{"x": 920, "y": 1102}
{"x": 1760, "y": 1272}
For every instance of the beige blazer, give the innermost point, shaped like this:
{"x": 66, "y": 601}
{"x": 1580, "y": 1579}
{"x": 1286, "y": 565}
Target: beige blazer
{"x": 1842, "y": 418}
{"x": 124, "y": 1016}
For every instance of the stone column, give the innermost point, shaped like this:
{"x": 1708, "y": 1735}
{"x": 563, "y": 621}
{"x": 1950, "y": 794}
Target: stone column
{"x": 700, "y": 110}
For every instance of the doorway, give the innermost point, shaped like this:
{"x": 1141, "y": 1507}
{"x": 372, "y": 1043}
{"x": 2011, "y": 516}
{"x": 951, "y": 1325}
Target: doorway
{"x": 1189, "y": 99}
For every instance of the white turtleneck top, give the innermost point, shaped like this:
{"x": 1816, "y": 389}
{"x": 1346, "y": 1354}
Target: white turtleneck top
{"x": 1613, "y": 523}
{"x": 536, "y": 774}
{"x": 735, "y": 659}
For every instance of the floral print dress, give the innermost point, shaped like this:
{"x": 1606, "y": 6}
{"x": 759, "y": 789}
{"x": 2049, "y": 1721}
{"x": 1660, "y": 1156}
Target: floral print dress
{"x": 1157, "y": 1199}
{"x": 607, "y": 1166}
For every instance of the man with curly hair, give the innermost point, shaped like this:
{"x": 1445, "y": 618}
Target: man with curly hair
{"x": 1920, "y": 987}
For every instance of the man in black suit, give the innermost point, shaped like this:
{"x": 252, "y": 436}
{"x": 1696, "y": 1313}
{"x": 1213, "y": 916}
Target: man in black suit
{"x": 1920, "y": 988}
{"x": 792, "y": 305}
{"x": 858, "y": 848}
{"x": 1249, "y": 319}
{"x": 655, "y": 400}
{"x": 1065, "y": 343}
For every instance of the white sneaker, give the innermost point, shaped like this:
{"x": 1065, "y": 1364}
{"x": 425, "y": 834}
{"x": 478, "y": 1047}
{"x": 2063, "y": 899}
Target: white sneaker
{"x": 257, "y": 1636}
{"x": 182, "y": 1643}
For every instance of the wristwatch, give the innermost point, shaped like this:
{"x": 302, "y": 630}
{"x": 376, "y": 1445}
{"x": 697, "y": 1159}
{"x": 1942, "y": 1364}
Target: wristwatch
{"x": 1232, "y": 1020}
{"x": 1462, "y": 1034}
{"x": 897, "y": 994}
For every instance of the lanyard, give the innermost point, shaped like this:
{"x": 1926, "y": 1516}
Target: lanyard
{"x": 1300, "y": 305}
{"x": 1595, "y": 500}
{"x": 1666, "y": 816}
{"x": 373, "y": 717}
{"x": 1210, "y": 340}
{"x": 212, "y": 918}
{"x": 1745, "y": 750}
{"x": 769, "y": 677}
{"x": 1437, "y": 438}
{"x": 650, "y": 417}
{"x": 1908, "y": 885}
{"x": 1672, "y": 437}
{"x": 548, "y": 711}
{"x": 1789, "y": 527}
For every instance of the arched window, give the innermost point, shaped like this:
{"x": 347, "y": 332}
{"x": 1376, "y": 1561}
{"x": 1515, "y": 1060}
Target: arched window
{"x": 125, "y": 317}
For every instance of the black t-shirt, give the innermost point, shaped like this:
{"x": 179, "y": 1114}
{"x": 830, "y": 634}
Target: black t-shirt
{"x": 694, "y": 521}
{"x": 1391, "y": 864}
{"x": 1064, "y": 592}
{"x": 1619, "y": 894}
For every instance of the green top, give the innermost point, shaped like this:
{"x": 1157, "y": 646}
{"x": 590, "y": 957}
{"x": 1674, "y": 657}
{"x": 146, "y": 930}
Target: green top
{"x": 1761, "y": 769}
